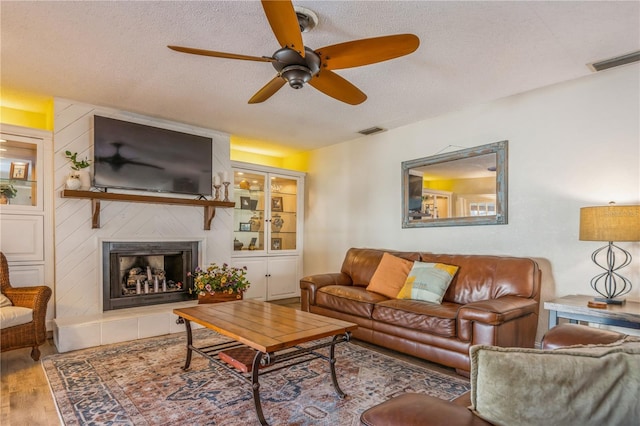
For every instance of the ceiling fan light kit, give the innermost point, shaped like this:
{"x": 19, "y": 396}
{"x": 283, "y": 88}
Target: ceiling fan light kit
{"x": 297, "y": 64}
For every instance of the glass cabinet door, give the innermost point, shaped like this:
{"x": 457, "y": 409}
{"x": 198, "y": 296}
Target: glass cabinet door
{"x": 19, "y": 168}
{"x": 265, "y": 215}
{"x": 283, "y": 213}
{"x": 250, "y": 210}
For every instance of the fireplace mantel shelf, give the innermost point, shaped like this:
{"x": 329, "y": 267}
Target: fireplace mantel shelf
{"x": 96, "y": 197}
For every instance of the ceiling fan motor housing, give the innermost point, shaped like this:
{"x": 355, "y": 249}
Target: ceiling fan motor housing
{"x": 295, "y": 69}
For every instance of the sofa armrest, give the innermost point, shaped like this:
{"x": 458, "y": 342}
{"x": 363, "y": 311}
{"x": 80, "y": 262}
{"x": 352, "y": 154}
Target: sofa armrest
{"x": 493, "y": 312}
{"x": 309, "y": 285}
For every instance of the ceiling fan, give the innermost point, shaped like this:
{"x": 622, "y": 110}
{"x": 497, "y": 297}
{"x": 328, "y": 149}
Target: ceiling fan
{"x": 297, "y": 64}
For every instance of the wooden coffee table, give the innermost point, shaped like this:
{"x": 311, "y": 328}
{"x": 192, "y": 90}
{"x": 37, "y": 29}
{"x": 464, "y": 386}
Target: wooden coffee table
{"x": 264, "y": 338}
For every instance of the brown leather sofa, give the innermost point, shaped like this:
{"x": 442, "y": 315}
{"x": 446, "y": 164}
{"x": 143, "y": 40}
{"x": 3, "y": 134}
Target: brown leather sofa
{"x": 412, "y": 409}
{"x": 492, "y": 300}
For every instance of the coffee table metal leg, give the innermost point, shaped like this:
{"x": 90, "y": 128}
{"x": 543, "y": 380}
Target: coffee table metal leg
{"x": 332, "y": 367}
{"x": 256, "y": 387}
{"x": 187, "y": 362}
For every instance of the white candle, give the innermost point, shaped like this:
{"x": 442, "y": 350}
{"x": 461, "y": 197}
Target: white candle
{"x": 216, "y": 180}
{"x": 225, "y": 177}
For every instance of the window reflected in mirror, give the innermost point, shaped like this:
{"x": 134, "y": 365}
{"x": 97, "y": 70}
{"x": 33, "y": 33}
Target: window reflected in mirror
{"x": 466, "y": 187}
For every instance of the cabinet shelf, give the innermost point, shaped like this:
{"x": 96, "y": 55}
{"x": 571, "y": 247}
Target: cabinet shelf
{"x": 96, "y": 197}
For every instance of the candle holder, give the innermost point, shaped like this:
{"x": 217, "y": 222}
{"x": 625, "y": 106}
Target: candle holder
{"x": 217, "y": 192}
{"x": 226, "y": 191}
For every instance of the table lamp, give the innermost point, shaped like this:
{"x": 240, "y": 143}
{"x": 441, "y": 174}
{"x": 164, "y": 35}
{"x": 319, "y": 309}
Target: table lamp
{"x": 610, "y": 223}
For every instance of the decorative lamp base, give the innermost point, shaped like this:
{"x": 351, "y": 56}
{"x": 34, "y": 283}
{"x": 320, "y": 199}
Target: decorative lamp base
{"x": 610, "y": 301}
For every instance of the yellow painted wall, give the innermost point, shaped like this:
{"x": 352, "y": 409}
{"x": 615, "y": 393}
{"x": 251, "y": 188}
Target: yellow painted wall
{"x": 21, "y": 109}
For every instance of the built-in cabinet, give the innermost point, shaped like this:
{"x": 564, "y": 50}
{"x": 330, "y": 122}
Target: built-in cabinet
{"x": 26, "y": 236}
{"x": 267, "y": 234}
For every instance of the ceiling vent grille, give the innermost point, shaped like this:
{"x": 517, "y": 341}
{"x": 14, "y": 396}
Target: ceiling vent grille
{"x": 371, "y": 131}
{"x": 616, "y": 62}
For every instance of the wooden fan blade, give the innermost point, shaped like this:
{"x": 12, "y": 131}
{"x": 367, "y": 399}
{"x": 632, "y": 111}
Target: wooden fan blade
{"x": 367, "y": 51}
{"x": 220, "y": 54}
{"x": 331, "y": 84}
{"x": 284, "y": 24}
{"x": 268, "y": 90}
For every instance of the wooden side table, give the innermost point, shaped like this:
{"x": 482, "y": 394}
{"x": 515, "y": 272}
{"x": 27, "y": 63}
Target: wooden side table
{"x": 574, "y": 308}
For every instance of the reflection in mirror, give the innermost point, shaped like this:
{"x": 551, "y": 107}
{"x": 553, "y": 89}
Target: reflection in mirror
{"x": 466, "y": 187}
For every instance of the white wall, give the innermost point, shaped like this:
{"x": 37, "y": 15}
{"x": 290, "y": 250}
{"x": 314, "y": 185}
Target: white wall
{"x": 78, "y": 246}
{"x": 571, "y": 145}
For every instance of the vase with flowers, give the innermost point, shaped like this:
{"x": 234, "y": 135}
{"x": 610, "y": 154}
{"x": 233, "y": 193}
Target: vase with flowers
{"x": 7, "y": 192}
{"x": 217, "y": 283}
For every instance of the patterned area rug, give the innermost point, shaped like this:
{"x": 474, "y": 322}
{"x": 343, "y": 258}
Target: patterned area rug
{"x": 142, "y": 383}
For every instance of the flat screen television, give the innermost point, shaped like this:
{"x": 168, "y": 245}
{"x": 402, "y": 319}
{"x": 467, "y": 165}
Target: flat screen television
{"x": 135, "y": 156}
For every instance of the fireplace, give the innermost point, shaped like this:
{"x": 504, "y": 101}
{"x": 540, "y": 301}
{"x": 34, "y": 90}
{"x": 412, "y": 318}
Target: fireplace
{"x": 146, "y": 273}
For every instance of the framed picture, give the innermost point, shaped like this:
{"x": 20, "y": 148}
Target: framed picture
{"x": 19, "y": 171}
{"x": 245, "y": 203}
{"x": 252, "y": 244}
{"x": 245, "y": 226}
{"x": 254, "y": 204}
{"x": 276, "y": 204}
{"x": 276, "y": 244}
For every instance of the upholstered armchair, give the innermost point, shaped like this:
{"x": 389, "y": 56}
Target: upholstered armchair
{"x": 23, "y": 313}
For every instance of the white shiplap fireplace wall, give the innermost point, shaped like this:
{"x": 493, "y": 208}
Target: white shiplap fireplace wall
{"x": 79, "y": 319}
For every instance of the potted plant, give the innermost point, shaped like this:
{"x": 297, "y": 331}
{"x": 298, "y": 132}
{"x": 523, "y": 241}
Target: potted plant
{"x": 78, "y": 178}
{"x": 219, "y": 283}
{"x": 7, "y": 192}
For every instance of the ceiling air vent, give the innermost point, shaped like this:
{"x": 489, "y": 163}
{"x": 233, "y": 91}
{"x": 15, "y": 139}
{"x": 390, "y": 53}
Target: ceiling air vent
{"x": 616, "y": 62}
{"x": 371, "y": 131}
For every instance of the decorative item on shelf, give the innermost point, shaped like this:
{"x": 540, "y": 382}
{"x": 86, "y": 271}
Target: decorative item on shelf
{"x": 252, "y": 244}
{"x": 276, "y": 223}
{"x": 244, "y": 184}
{"x": 276, "y": 204}
{"x": 78, "y": 178}
{"x": 610, "y": 223}
{"x": 226, "y": 183}
{"x": 7, "y": 192}
{"x": 237, "y": 244}
{"x": 216, "y": 186}
{"x": 219, "y": 283}
{"x": 255, "y": 222}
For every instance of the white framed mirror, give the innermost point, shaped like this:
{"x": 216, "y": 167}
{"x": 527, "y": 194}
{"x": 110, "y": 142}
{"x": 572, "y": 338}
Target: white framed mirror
{"x": 465, "y": 187}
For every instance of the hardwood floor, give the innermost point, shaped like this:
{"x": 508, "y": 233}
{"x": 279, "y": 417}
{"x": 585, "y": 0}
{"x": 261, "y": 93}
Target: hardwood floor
{"x": 24, "y": 393}
{"x": 26, "y": 399}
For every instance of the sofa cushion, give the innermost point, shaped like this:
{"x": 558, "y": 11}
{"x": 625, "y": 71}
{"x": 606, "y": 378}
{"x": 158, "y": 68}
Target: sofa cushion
{"x": 427, "y": 282}
{"x": 10, "y": 316}
{"x": 585, "y": 385}
{"x": 4, "y": 301}
{"x": 428, "y": 317}
{"x": 390, "y": 275}
{"x": 348, "y": 299}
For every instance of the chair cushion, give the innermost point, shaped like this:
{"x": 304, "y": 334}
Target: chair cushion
{"x": 4, "y": 301}
{"x": 427, "y": 282}
{"x": 390, "y": 275}
{"x": 588, "y": 385}
{"x": 10, "y": 316}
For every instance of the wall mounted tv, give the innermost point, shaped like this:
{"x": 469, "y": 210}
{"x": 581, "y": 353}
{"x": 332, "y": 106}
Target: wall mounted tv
{"x": 134, "y": 156}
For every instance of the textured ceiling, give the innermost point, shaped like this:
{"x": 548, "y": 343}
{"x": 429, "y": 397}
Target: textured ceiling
{"x": 114, "y": 54}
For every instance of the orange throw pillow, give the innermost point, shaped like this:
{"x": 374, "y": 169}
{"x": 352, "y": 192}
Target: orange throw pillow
{"x": 390, "y": 275}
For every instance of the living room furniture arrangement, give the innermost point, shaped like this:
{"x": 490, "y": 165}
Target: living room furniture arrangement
{"x": 23, "y": 312}
{"x": 570, "y": 394}
{"x": 491, "y": 300}
{"x": 263, "y": 338}
{"x": 610, "y": 223}
{"x": 268, "y": 229}
{"x": 575, "y": 308}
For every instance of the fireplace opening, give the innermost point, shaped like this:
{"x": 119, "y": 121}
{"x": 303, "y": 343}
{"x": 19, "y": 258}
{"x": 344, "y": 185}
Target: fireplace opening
{"x": 144, "y": 273}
